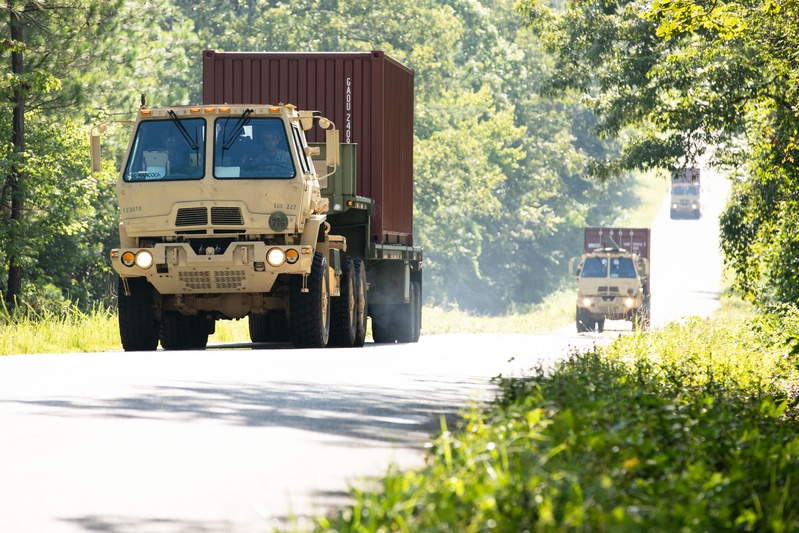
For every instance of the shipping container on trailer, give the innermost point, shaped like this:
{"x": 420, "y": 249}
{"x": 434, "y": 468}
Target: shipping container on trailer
{"x": 369, "y": 96}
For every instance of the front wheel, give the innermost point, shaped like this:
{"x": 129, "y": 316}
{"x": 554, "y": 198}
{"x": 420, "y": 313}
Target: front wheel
{"x": 343, "y": 320}
{"x": 138, "y": 327}
{"x": 309, "y": 320}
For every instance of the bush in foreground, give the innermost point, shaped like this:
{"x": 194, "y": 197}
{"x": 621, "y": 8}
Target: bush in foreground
{"x": 690, "y": 428}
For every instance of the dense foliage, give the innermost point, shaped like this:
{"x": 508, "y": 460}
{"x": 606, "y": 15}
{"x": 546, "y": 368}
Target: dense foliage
{"x": 501, "y": 187}
{"x": 691, "y": 428}
{"x": 694, "y": 78}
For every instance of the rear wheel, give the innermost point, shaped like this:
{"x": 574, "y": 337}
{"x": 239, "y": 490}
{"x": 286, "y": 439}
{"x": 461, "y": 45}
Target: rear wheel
{"x": 343, "y": 319}
{"x": 310, "y": 310}
{"x": 399, "y": 322}
{"x": 361, "y": 304}
{"x": 138, "y": 327}
{"x": 181, "y": 332}
{"x": 270, "y": 327}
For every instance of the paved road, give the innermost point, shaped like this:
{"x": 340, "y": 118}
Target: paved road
{"x": 238, "y": 440}
{"x": 228, "y": 440}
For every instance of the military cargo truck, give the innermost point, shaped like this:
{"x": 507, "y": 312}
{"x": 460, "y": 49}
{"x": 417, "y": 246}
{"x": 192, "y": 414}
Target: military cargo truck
{"x": 686, "y": 190}
{"x": 612, "y": 278}
{"x": 250, "y": 206}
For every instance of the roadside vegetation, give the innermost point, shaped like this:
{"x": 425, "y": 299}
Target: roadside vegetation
{"x": 689, "y": 428}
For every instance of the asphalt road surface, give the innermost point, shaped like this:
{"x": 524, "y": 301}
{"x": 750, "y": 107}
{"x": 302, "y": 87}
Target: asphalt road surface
{"x": 242, "y": 439}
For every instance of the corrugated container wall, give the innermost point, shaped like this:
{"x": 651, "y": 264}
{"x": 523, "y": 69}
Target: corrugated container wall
{"x": 634, "y": 239}
{"x": 369, "y": 97}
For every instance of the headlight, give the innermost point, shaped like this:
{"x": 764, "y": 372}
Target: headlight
{"x": 144, "y": 259}
{"x": 292, "y": 255}
{"x": 629, "y": 302}
{"x": 275, "y": 257}
{"x": 587, "y": 302}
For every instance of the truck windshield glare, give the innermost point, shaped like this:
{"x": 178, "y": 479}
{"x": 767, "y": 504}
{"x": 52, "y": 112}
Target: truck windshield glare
{"x": 260, "y": 149}
{"x": 162, "y": 151}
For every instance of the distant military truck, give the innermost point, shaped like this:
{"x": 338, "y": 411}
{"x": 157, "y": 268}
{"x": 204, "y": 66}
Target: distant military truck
{"x": 686, "y": 189}
{"x": 612, "y": 278}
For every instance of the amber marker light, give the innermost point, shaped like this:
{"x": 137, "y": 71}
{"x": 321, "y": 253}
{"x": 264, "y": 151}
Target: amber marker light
{"x": 194, "y": 110}
{"x": 274, "y": 110}
{"x": 292, "y": 256}
{"x": 210, "y": 109}
{"x": 128, "y": 259}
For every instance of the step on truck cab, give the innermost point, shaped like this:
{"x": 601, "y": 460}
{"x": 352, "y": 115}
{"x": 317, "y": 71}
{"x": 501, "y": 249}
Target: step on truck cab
{"x": 612, "y": 278}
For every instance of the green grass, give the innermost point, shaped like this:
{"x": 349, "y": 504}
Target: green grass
{"x": 690, "y": 428}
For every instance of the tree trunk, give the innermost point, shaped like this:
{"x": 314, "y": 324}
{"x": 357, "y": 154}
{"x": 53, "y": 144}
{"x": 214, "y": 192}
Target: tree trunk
{"x": 15, "y": 177}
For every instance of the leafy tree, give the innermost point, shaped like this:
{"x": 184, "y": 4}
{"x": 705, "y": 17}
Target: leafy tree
{"x": 688, "y": 76}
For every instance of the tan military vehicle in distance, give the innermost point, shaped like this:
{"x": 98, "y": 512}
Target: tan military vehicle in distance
{"x": 612, "y": 278}
{"x": 686, "y": 190}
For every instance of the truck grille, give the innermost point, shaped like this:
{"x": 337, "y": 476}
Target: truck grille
{"x": 220, "y": 216}
{"x": 212, "y": 281}
{"x": 192, "y": 216}
{"x": 226, "y": 216}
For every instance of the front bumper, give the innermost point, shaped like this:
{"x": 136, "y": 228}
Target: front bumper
{"x": 609, "y": 307}
{"x": 242, "y": 268}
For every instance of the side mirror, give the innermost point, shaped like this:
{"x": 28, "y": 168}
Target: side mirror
{"x": 575, "y": 266}
{"x": 97, "y": 160}
{"x": 643, "y": 267}
{"x": 333, "y": 148}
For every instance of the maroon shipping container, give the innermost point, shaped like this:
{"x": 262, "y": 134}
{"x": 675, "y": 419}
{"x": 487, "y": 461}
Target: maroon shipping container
{"x": 636, "y": 240}
{"x": 369, "y": 97}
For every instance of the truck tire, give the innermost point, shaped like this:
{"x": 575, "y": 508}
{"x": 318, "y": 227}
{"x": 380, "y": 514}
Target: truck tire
{"x": 361, "y": 303}
{"x": 407, "y": 316}
{"x": 582, "y": 322}
{"x": 270, "y": 327}
{"x": 138, "y": 327}
{"x": 181, "y": 332}
{"x": 343, "y": 317}
{"x": 641, "y": 321}
{"x": 383, "y": 323}
{"x": 309, "y": 322}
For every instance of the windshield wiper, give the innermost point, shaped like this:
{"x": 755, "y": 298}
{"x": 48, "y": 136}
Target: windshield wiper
{"x": 230, "y": 138}
{"x": 192, "y": 142}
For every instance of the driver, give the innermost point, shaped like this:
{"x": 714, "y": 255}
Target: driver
{"x": 271, "y": 153}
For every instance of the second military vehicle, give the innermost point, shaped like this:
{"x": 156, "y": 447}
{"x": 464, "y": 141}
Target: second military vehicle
{"x": 612, "y": 278}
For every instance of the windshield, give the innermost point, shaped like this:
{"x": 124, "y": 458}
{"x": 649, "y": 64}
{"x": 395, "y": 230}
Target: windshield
{"x": 252, "y": 148}
{"x": 622, "y": 267}
{"x": 595, "y": 267}
{"x": 162, "y": 150}
{"x": 685, "y": 190}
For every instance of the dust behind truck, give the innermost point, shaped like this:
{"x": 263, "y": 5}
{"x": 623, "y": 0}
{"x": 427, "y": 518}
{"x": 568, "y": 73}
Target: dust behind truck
{"x": 249, "y": 205}
{"x": 612, "y": 278}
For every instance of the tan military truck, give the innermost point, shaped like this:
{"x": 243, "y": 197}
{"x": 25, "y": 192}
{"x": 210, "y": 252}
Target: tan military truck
{"x": 686, "y": 191}
{"x": 228, "y": 211}
{"x": 612, "y": 278}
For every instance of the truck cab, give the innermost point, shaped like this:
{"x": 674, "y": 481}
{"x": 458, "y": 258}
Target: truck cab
{"x": 222, "y": 217}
